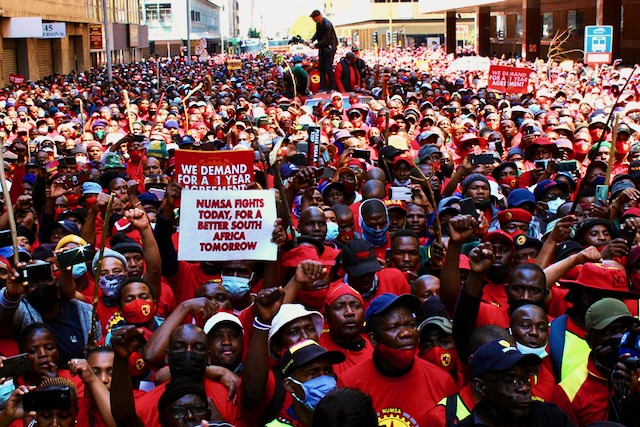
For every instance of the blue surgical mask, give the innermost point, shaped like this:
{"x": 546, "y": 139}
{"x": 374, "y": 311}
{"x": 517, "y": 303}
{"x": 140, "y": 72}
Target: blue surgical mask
{"x": 332, "y": 231}
{"x": 78, "y": 270}
{"x": 554, "y": 204}
{"x": 236, "y": 286}
{"x": 314, "y": 390}
{"x": 5, "y": 391}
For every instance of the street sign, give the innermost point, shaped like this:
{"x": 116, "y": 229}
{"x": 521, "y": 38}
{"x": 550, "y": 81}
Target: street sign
{"x": 598, "y": 44}
{"x": 54, "y": 30}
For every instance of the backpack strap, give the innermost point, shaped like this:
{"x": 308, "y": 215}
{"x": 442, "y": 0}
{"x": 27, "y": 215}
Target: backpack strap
{"x": 556, "y": 344}
{"x": 450, "y": 410}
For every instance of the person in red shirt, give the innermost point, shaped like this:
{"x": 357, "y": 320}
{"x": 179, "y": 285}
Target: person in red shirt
{"x": 394, "y": 377}
{"x": 365, "y": 274}
{"x": 584, "y": 394}
{"x": 374, "y": 223}
{"x": 344, "y": 314}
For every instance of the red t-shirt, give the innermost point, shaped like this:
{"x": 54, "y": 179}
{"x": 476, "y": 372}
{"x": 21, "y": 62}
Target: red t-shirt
{"x": 188, "y": 279}
{"x": 147, "y": 404}
{"x": 495, "y": 293}
{"x": 591, "y": 402}
{"x": 545, "y": 383}
{"x": 491, "y": 314}
{"x": 406, "y": 399}
{"x": 353, "y": 357}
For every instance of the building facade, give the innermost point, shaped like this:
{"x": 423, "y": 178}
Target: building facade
{"x": 40, "y": 38}
{"x": 531, "y": 28}
{"x": 388, "y": 23}
{"x": 167, "y": 23}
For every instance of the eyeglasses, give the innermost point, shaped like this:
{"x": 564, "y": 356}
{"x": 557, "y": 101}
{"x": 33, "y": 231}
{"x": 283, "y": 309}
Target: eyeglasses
{"x": 179, "y": 412}
{"x": 512, "y": 382}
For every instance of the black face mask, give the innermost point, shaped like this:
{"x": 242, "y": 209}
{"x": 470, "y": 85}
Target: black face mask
{"x": 43, "y": 297}
{"x": 514, "y": 305}
{"x": 50, "y": 128}
{"x": 498, "y": 274}
{"x": 187, "y": 364}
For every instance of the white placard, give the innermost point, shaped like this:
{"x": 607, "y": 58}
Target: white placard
{"x": 227, "y": 225}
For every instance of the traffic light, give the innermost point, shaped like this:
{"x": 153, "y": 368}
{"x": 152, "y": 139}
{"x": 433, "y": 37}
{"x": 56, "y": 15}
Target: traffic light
{"x": 374, "y": 38}
{"x": 388, "y": 38}
{"x": 395, "y": 38}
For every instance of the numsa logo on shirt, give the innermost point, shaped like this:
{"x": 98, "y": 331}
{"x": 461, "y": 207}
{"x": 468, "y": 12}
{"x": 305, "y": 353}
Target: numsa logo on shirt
{"x": 394, "y": 417}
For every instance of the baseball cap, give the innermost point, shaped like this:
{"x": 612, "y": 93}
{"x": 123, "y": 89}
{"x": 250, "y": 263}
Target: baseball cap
{"x": 288, "y": 313}
{"x": 395, "y": 204}
{"x": 604, "y": 312}
{"x": 383, "y": 302}
{"x": 498, "y": 355}
{"x": 221, "y": 317}
{"x": 171, "y": 124}
{"x": 567, "y": 248}
{"x": 445, "y": 205}
{"x": 304, "y": 352}
{"x": 433, "y": 312}
{"x": 546, "y": 185}
{"x": 427, "y": 150}
{"x": 522, "y": 241}
{"x": 520, "y": 196}
{"x": 358, "y": 258}
{"x": 634, "y": 169}
{"x": 498, "y": 236}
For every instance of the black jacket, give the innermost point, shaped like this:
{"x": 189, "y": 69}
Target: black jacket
{"x": 326, "y": 37}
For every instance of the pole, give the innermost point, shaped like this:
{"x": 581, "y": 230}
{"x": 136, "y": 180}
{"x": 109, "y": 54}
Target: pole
{"x": 188, "y": 32}
{"x": 9, "y": 205}
{"x": 107, "y": 40}
{"x": 390, "y": 24}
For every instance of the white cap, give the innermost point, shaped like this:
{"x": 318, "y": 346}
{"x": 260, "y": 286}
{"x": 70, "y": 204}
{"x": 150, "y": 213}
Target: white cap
{"x": 220, "y": 317}
{"x": 289, "y": 313}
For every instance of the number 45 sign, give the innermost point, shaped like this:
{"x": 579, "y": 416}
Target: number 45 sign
{"x": 54, "y": 30}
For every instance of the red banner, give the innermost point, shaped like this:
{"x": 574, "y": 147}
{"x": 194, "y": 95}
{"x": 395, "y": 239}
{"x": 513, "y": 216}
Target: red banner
{"x": 16, "y": 79}
{"x": 508, "y": 79}
{"x": 214, "y": 170}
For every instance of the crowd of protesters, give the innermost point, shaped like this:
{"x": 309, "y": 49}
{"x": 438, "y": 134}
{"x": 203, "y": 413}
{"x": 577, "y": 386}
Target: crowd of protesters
{"x": 457, "y": 256}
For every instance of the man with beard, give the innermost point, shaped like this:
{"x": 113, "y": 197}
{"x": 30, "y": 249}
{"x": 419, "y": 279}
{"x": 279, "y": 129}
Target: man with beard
{"x": 502, "y": 380}
{"x": 585, "y": 395}
{"x": 23, "y": 303}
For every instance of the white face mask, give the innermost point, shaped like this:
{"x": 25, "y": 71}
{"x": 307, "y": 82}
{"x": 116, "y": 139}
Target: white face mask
{"x": 538, "y": 351}
{"x": 554, "y": 204}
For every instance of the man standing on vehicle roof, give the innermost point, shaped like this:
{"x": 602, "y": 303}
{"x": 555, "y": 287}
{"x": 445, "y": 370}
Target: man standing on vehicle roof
{"x": 327, "y": 44}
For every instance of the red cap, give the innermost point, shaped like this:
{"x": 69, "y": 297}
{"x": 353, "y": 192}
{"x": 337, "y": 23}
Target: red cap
{"x": 302, "y": 253}
{"x": 498, "y": 235}
{"x": 403, "y": 158}
{"x": 603, "y": 278}
{"x": 395, "y": 204}
{"x": 338, "y": 290}
{"x": 631, "y": 212}
{"x": 515, "y": 214}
